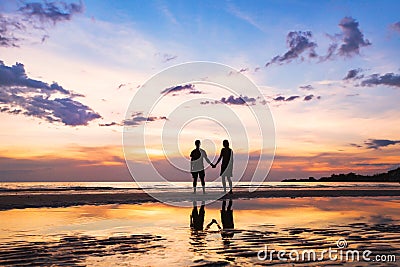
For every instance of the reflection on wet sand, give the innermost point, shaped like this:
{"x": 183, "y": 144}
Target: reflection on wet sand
{"x": 74, "y": 250}
{"x": 227, "y": 232}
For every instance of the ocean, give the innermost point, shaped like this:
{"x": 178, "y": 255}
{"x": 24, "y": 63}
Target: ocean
{"x": 126, "y": 187}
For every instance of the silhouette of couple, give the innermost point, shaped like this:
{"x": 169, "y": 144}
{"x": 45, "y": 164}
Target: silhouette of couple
{"x": 197, "y": 165}
{"x": 197, "y": 219}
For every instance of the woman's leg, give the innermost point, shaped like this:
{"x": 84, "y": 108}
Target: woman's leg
{"x": 230, "y": 184}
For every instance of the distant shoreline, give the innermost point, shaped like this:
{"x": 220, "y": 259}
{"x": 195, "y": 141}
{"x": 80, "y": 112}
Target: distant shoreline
{"x": 392, "y": 176}
{"x": 15, "y": 201}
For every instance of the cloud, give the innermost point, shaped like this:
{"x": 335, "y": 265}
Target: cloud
{"x": 307, "y": 87}
{"x": 50, "y": 12}
{"x": 243, "y": 16}
{"x": 166, "y": 57}
{"x": 355, "y": 145}
{"x": 35, "y": 16}
{"x": 240, "y": 100}
{"x": 109, "y": 124}
{"x": 345, "y": 44}
{"x": 242, "y": 70}
{"x": 378, "y": 143}
{"x": 8, "y": 27}
{"x": 352, "y": 37}
{"x": 375, "y": 164}
{"x": 167, "y": 13}
{"x": 353, "y": 74}
{"x": 308, "y": 97}
{"x": 299, "y": 43}
{"x": 187, "y": 87}
{"x": 294, "y": 97}
{"x": 348, "y": 42}
{"x": 395, "y": 27}
{"x": 51, "y": 102}
{"x": 290, "y": 98}
{"x": 137, "y": 118}
{"x": 330, "y": 53}
{"x": 16, "y": 76}
{"x": 75, "y": 163}
{"x": 231, "y": 100}
{"x": 389, "y": 79}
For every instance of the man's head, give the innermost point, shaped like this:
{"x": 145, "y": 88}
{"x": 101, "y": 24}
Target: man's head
{"x": 225, "y": 143}
{"x": 197, "y": 143}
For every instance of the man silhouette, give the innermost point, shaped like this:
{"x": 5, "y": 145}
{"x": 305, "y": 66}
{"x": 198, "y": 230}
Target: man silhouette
{"x": 197, "y": 165}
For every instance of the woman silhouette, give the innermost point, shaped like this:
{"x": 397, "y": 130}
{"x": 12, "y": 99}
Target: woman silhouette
{"x": 226, "y": 166}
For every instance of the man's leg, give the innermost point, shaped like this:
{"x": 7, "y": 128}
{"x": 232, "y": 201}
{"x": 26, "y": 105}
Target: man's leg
{"x": 194, "y": 175}
{"x": 223, "y": 183}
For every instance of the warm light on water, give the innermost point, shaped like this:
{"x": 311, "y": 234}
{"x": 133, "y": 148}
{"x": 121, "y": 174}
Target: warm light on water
{"x": 155, "y": 234}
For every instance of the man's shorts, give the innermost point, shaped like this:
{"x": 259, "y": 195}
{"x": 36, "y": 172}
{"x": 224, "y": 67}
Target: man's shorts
{"x": 199, "y": 173}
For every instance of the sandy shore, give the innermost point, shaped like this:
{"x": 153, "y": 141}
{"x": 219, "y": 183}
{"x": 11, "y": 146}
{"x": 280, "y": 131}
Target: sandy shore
{"x": 15, "y": 201}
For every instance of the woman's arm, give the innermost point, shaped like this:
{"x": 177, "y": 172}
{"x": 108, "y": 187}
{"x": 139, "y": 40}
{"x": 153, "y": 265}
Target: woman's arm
{"x": 219, "y": 159}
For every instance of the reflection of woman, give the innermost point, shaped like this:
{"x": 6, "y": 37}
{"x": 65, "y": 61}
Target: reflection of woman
{"x": 227, "y": 219}
{"x": 226, "y": 165}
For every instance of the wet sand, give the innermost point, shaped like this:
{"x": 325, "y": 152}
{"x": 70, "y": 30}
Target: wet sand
{"x": 155, "y": 234}
{"x": 37, "y": 200}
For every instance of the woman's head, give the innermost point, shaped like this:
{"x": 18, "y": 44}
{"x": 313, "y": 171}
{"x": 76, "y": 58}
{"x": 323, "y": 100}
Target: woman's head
{"x": 225, "y": 143}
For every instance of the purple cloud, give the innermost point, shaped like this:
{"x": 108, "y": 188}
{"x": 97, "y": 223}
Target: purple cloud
{"x": 187, "y": 87}
{"x": 378, "y": 143}
{"x": 231, "y": 100}
{"x": 8, "y": 27}
{"x": 279, "y": 98}
{"x": 290, "y": 98}
{"x": 307, "y": 87}
{"x": 52, "y": 12}
{"x": 21, "y": 95}
{"x": 240, "y": 100}
{"x": 308, "y": 97}
{"x": 353, "y": 74}
{"x": 137, "y": 118}
{"x": 389, "y": 79}
{"x": 299, "y": 43}
{"x": 35, "y": 15}
{"x": 109, "y": 124}
{"x": 352, "y": 37}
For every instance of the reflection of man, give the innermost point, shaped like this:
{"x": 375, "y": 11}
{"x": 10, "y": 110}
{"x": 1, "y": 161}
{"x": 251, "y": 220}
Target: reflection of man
{"x": 197, "y": 218}
{"x": 197, "y": 165}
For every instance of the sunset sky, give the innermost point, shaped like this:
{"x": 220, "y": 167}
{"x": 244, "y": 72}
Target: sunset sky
{"x": 329, "y": 71}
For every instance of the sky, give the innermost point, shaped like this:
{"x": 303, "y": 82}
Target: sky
{"x": 328, "y": 71}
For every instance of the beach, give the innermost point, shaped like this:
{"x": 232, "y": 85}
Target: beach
{"x": 156, "y": 234}
{"x": 122, "y": 224}
{"x": 63, "y": 199}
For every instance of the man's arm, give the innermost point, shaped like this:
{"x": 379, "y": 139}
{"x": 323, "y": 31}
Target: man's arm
{"x": 206, "y": 158}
